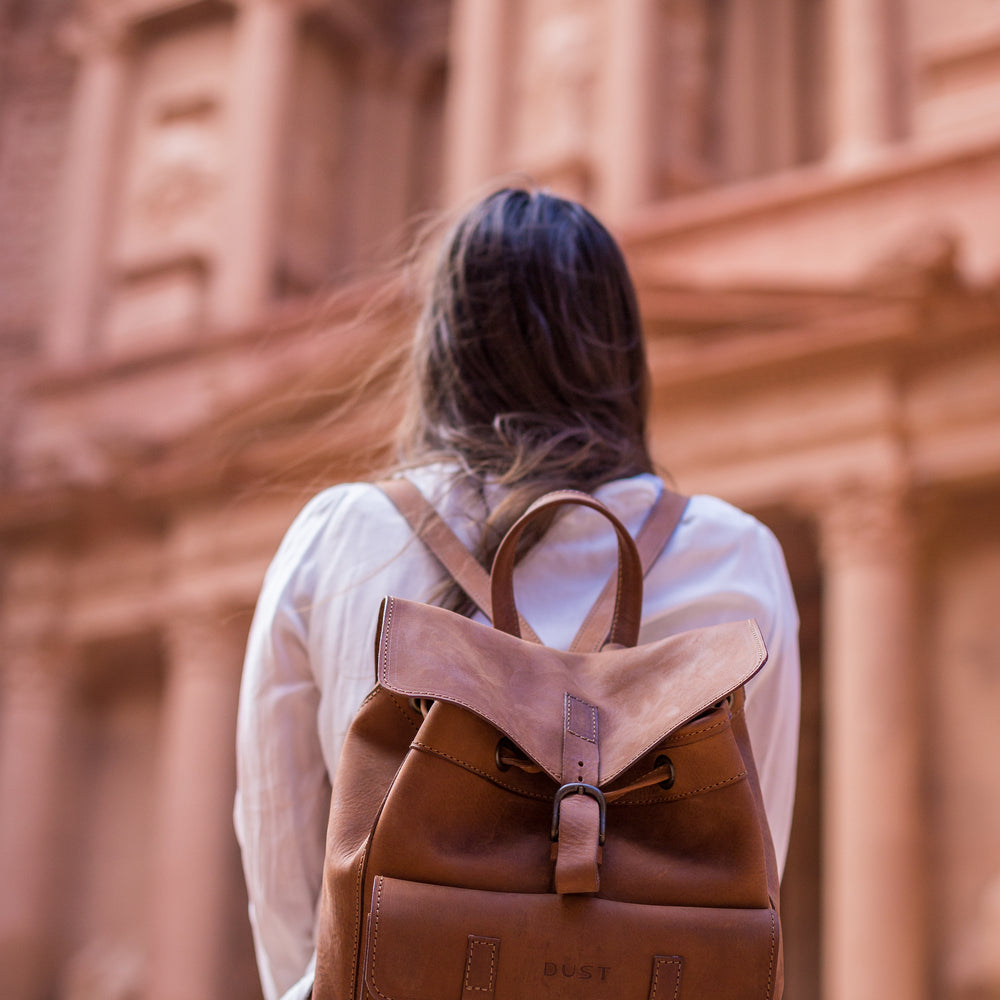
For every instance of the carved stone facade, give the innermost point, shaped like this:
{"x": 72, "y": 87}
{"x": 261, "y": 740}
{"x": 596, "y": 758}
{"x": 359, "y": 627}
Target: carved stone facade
{"x": 806, "y": 191}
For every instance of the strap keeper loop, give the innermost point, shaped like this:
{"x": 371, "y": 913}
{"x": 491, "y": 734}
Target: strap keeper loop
{"x": 580, "y": 788}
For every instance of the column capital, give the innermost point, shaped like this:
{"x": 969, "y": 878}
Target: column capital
{"x": 872, "y": 690}
{"x": 292, "y": 6}
{"x": 866, "y": 524}
{"x": 385, "y": 67}
{"x": 98, "y": 30}
{"x": 205, "y": 644}
{"x": 37, "y": 673}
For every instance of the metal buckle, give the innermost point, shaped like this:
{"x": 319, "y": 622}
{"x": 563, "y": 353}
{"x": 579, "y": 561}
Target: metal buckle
{"x": 580, "y": 788}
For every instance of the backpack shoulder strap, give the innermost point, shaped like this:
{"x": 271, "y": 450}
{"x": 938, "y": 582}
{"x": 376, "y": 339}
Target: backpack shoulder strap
{"x": 432, "y": 529}
{"x": 448, "y": 549}
{"x": 653, "y": 536}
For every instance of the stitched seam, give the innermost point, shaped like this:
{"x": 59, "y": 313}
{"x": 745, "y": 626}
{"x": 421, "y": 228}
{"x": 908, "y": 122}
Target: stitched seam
{"x": 358, "y": 890}
{"x": 477, "y": 770}
{"x": 493, "y": 964}
{"x": 683, "y": 742}
{"x": 758, "y": 642}
{"x": 770, "y": 964}
{"x": 378, "y": 906}
{"x": 626, "y": 801}
{"x": 368, "y": 697}
{"x": 721, "y": 724}
{"x": 658, "y": 963}
{"x": 414, "y": 692}
{"x": 411, "y": 722}
{"x": 592, "y": 738}
{"x": 618, "y": 592}
{"x": 387, "y": 621}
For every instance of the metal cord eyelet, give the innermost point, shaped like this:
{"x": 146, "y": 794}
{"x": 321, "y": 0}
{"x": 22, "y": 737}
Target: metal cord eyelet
{"x": 663, "y": 761}
{"x": 504, "y": 748}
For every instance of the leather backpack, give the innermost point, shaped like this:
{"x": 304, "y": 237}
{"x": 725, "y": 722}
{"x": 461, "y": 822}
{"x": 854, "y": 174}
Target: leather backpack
{"x": 513, "y": 822}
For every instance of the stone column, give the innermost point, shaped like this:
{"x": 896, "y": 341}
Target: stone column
{"x": 631, "y": 99}
{"x": 34, "y": 708}
{"x": 191, "y": 855}
{"x": 263, "y": 58}
{"x": 384, "y": 147}
{"x": 741, "y": 89}
{"x": 873, "y": 813}
{"x": 476, "y": 93}
{"x": 88, "y": 191}
{"x": 780, "y": 42}
{"x": 857, "y": 79}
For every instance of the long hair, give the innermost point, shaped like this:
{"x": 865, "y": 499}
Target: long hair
{"x": 529, "y": 370}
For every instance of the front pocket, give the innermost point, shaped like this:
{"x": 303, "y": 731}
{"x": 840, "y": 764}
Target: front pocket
{"x": 426, "y": 942}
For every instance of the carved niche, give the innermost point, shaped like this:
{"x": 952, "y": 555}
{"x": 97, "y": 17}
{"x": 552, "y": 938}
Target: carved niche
{"x": 169, "y": 222}
{"x": 555, "y": 101}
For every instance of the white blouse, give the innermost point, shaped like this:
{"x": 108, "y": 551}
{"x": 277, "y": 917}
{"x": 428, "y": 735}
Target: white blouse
{"x": 309, "y": 661}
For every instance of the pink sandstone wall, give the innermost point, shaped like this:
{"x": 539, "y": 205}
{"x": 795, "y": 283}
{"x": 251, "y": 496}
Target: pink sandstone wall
{"x": 198, "y": 200}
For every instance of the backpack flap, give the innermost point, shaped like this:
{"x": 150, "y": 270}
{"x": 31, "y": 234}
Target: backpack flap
{"x": 640, "y": 695}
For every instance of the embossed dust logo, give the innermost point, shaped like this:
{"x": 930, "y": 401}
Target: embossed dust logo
{"x": 569, "y": 970}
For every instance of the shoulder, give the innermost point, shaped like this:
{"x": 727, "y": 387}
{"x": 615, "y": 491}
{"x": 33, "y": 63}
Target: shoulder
{"x": 348, "y": 516}
{"x": 707, "y": 521}
{"x": 713, "y": 522}
{"x": 745, "y": 545}
{"x": 345, "y": 501}
{"x": 350, "y": 540}
{"x": 721, "y": 564}
{"x": 338, "y": 527}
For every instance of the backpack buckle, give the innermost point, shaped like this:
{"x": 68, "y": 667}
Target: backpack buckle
{"x": 579, "y": 788}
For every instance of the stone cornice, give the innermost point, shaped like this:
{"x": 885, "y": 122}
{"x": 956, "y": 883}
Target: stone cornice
{"x": 296, "y": 398}
{"x": 803, "y": 187}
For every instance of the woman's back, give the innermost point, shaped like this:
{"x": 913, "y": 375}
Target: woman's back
{"x": 529, "y": 375}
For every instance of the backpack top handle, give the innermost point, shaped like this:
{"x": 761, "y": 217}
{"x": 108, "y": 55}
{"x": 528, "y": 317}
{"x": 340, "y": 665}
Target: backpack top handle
{"x": 624, "y": 630}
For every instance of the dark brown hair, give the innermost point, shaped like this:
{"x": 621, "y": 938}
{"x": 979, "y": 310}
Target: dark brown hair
{"x": 529, "y": 366}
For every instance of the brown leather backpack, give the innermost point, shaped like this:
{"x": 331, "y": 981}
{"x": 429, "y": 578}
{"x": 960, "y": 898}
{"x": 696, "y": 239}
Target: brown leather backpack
{"x": 512, "y": 822}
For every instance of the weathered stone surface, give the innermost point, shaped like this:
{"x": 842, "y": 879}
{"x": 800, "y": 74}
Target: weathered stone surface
{"x": 198, "y": 329}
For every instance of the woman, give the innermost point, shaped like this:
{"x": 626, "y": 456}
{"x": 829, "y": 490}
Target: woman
{"x": 530, "y": 375}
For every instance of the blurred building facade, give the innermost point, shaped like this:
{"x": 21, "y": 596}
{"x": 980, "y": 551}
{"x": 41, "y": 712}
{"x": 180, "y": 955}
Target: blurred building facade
{"x": 807, "y": 191}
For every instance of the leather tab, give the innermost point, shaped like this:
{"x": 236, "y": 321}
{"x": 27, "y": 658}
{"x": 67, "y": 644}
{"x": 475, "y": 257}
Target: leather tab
{"x": 580, "y": 757}
{"x": 578, "y": 842}
{"x": 578, "y": 850}
{"x": 666, "y": 981}
{"x": 480, "y": 976}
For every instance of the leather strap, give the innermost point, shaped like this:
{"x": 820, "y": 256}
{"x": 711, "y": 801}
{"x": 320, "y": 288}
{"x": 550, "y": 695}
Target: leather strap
{"x": 444, "y": 544}
{"x": 656, "y": 531}
{"x": 578, "y": 851}
{"x": 628, "y": 596}
{"x": 432, "y": 529}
